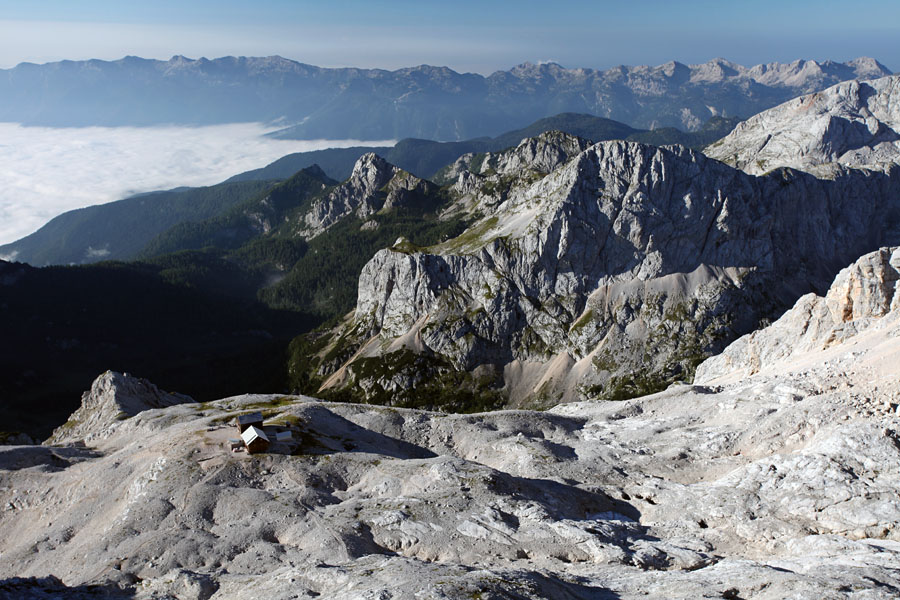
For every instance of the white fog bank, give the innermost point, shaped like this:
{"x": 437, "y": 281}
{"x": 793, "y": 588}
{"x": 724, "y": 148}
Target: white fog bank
{"x": 46, "y": 171}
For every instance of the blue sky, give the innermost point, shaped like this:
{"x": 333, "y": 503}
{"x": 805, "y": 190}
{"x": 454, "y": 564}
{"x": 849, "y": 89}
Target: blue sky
{"x": 463, "y": 34}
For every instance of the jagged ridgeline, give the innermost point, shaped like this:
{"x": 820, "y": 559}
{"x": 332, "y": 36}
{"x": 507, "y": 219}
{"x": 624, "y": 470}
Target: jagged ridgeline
{"x": 852, "y": 124}
{"x": 302, "y": 245}
{"x": 599, "y": 271}
{"x": 123, "y": 229}
{"x": 425, "y": 101}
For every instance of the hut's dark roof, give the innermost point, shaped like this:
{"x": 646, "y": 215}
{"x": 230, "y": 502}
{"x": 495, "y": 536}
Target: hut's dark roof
{"x": 255, "y": 417}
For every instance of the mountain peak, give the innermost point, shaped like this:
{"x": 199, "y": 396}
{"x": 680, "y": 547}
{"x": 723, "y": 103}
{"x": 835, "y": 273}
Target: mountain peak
{"x": 531, "y": 69}
{"x": 868, "y": 68}
{"x": 374, "y": 185}
{"x": 315, "y": 171}
{"x": 372, "y": 171}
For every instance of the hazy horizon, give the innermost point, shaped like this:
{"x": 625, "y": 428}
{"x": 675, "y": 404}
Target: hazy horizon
{"x": 507, "y": 68}
{"x": 466, "y": 36}
{"x": 44, "y": 173}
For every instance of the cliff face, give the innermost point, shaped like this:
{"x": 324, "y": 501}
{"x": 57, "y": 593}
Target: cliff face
{"x": 606, "y": 270}
{"x": 864, "y": 296}
{"x": 852, "y": 124}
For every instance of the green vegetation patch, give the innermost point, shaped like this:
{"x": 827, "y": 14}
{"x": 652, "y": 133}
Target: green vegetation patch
{"x": 631, "y": 385}
{"x": 582, "y": 322}
{"x": 439, "y": 385}
{"x": 324, "y": 281}
{"x": 471, "y": 239}
{"x": 274, "y": 403}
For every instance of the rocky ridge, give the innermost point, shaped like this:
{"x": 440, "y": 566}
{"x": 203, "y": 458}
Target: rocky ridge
{"x": 375, "y": 185}
{"x": 852, "y": 124}
{"x": 113, "y": 397}
{"x": 606, "y": 269}
{"x": 780, "y": 484}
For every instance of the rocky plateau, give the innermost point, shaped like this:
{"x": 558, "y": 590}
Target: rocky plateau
{"x": 778, "y": 482}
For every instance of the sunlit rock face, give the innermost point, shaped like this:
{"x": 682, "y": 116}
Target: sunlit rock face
{"x": 603, "y": 270}
{"x": 853, "y": 124}
{"x": 375, "y": 185}
{"x": 112, "y": 398}
{"x": 864, "y": 296}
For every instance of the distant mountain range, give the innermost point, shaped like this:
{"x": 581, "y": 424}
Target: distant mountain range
{"x": 423, "y": 102}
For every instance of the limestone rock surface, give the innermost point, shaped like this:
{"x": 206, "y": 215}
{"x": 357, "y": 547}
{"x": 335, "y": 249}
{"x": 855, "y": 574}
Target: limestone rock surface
{"x": 852, "y": 124}
{"x": 113, "y": 397}
{"x": 607, "y": 269}
{"x": 783, "y": 484}
{"x": 864, "y": 295}
{"x": 373, "y": 186}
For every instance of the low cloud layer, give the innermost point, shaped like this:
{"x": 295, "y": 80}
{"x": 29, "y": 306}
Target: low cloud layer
{"x": 47, "y": 171}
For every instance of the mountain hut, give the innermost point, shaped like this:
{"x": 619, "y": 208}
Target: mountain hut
{"x": 255, "y": 439}
{"x": 254, "y": 419}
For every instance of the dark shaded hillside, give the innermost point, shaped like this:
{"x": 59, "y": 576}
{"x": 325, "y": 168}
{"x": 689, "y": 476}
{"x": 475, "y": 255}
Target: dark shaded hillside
{"x": 250, "y": 218}
{"x": 324, "y": 281}
{"x": 194, "y": 318}
{"x": 118, "y": 230}
{"x": 253, "y": 251}
{"x": 62, "y": 326}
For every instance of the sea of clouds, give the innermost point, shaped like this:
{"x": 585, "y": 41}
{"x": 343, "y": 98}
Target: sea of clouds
{"x": 46, "y": 171}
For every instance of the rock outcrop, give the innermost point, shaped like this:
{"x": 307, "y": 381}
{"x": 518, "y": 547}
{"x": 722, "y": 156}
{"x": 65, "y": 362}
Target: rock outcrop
{"x": 852, "y": 124}
{"x": 375, "y": 185}
{"x": 864, "y": 296}
{"x": 113, "y": 397}
{"x": 605, "y": 270}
